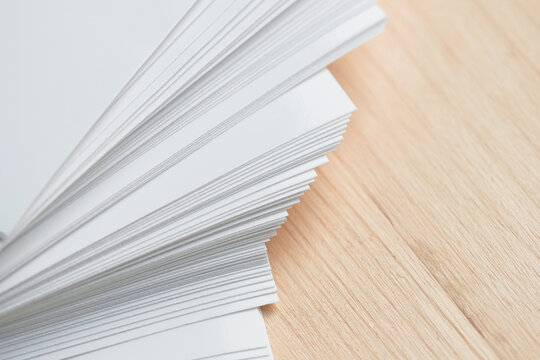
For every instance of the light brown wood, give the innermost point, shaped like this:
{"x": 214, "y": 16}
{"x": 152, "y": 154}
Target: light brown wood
{"x": 421, "y": 237}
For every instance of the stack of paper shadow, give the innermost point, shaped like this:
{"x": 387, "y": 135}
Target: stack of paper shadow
{"x": 147, "y": 238}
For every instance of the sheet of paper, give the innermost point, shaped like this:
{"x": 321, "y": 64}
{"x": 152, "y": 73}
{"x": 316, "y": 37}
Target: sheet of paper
{"x": 237, "y": 332}
{"x": 58, "y": 75}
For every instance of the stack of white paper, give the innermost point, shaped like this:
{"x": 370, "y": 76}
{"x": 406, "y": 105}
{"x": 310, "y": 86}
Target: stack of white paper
{"x": 150, "y": 149}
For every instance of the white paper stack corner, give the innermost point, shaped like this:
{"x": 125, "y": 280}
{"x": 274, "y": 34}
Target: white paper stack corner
{"x": 149, "y": 150}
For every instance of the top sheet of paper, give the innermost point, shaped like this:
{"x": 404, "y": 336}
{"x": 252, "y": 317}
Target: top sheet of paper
{"x": 62, "y": 64}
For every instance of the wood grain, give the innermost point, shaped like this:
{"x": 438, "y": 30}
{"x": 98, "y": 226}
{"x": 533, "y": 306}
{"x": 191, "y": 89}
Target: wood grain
{"x": 421, "y": 237}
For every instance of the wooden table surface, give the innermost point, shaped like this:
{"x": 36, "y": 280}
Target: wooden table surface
{"x": 421, "y": 237}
